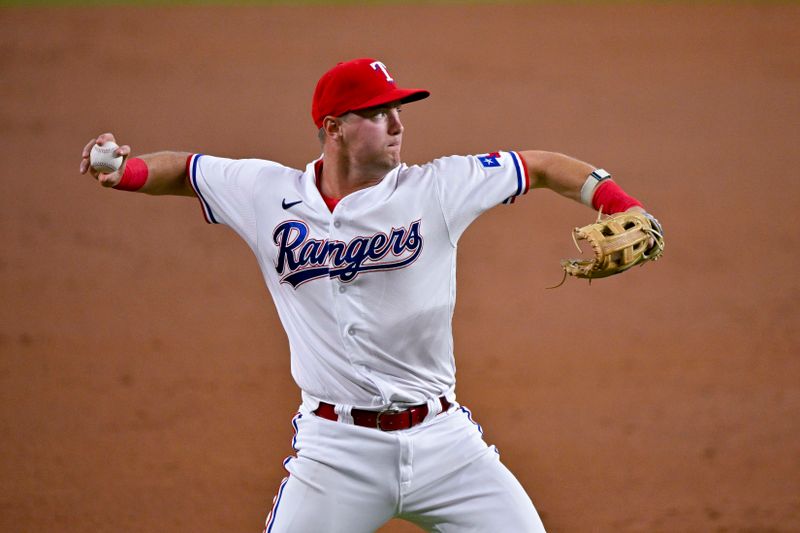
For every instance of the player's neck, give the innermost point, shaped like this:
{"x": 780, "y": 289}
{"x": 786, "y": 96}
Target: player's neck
{"x": 341, "y": 177}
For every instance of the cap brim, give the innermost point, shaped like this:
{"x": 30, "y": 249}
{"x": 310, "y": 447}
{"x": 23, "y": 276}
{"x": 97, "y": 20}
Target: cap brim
{"x": 404, "y": 96}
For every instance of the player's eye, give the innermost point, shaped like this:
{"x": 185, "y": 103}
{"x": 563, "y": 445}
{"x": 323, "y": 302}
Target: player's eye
{"x": 385, "y": 112}
{"x": 379, "y": 113}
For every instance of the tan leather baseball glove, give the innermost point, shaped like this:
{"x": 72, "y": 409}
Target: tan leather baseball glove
{"x": 619, "y": 242}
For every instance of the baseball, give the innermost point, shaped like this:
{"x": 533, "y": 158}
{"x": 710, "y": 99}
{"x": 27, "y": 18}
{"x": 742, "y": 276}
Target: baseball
{"x": 102, "y": 158}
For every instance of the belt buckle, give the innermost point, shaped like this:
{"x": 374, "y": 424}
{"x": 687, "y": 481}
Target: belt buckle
{"x": 390, "y": 411}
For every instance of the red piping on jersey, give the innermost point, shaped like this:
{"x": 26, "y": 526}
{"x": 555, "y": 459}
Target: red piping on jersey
{"x": 525, "y": 170}
{"x": 188, "y": 162}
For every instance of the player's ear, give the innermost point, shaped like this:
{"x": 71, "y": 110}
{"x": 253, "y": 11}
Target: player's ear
{"x": 331, "y": 127}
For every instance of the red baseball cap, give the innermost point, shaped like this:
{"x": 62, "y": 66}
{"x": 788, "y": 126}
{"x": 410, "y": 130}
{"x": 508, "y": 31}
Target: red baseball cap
{"x": 357, "y": 84}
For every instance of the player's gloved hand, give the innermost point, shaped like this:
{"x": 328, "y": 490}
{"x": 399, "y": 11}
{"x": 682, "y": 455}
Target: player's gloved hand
{"x": 619, "y": 242}
{"x": 654, "y": 242}
{"x": 106, "y": 180}
{"x": 659, "y": 230}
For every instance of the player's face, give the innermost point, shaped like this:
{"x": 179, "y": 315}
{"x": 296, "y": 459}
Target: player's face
{"x": 374, "y": 136}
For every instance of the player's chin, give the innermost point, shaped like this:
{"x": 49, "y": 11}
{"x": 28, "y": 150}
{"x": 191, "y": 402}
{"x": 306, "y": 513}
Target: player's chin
{"x": 393, "y": 151}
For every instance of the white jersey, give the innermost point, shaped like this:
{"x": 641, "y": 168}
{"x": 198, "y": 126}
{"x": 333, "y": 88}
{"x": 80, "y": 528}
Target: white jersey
{"x": 366, "y": 293}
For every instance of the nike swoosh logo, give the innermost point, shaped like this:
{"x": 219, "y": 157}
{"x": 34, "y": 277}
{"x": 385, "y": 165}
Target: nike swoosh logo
{"x": 287, "y": 205}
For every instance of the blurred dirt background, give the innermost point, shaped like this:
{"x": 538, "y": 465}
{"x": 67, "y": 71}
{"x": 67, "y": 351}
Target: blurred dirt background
{"x": 144, "y": 377}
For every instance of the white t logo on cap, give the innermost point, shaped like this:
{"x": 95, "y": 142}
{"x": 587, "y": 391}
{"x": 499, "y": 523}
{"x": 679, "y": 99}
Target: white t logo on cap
{"x": 377, "y": 65}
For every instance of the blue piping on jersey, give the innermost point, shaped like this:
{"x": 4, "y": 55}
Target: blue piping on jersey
{"x": 193, "y": 177}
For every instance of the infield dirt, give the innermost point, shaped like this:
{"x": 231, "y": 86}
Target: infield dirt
{"x": 144, "y": 377}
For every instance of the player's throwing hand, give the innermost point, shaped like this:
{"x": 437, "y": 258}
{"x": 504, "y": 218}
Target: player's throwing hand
{"x": 106, "y": 180}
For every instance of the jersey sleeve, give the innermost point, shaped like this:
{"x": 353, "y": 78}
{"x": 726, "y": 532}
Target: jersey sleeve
{"x": 470, "y": 185}
{"x": 225, "y": 188}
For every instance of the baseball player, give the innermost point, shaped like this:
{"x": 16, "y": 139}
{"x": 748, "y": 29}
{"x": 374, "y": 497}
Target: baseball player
{"x": 358, "y": 251}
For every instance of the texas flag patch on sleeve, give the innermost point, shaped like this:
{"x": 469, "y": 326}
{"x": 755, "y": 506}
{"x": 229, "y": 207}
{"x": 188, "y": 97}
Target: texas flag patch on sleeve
{"x": 490, "y": 160}
{"x": 510, "y": 165}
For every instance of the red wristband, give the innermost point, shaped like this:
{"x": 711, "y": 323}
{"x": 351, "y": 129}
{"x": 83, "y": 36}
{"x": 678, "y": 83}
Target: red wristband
{"x": 135, "y": 175}
{"x": 612, "y": 199}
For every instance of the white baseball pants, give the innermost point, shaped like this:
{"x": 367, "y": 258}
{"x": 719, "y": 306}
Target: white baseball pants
{"x": 440, "y": 475}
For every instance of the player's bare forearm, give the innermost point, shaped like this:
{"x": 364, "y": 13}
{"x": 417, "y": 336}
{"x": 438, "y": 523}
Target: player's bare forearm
{"x": 167, "y": 174}
{"x": 565, "y": 175}
{"x": 558, "y": 172}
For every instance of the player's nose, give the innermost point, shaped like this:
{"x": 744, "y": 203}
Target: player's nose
{"x": 395, "y": 124}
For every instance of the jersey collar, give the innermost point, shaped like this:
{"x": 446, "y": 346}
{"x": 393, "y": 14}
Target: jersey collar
{"x": 375, "y": 194}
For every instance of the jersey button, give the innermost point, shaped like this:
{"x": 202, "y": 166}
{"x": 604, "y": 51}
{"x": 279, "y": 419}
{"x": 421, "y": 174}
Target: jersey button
{"x": 336, "y": 223}
{"x": 342, "y": 288}
{"x": 351, "y": 332}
